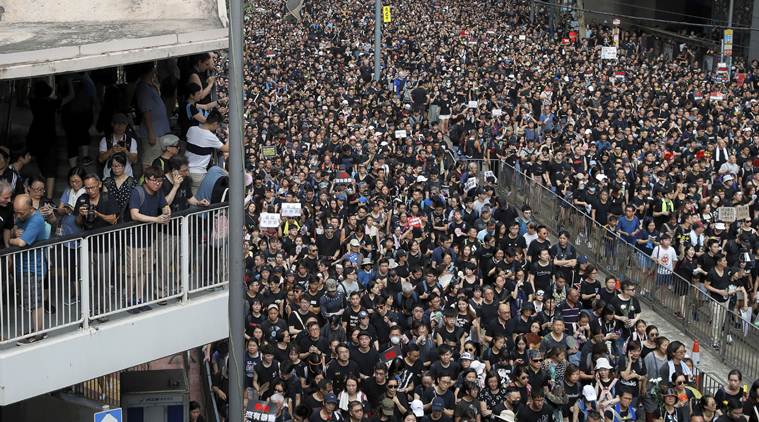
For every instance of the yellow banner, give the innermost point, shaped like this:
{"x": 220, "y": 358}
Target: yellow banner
{"x": 386, "y": 14}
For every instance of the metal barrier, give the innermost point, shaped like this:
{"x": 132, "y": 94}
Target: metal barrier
{"x": 72, "y": 281}
{"x": 681, "y": 302}
{"x": 211, "y": 406}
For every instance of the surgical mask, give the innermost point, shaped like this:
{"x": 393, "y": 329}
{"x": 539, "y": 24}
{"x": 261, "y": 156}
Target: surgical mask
{"x": 395, "y": 339}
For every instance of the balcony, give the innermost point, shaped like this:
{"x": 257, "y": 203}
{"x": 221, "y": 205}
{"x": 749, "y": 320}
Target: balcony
{"x": 90, "y": 280}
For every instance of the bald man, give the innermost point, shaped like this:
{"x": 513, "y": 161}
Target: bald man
{"x": 30, "y": 266}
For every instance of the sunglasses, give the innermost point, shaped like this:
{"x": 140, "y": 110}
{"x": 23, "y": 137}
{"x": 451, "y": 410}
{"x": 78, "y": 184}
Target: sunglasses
{"x": 392, "y": 386}
{"x": 469, "y": 350}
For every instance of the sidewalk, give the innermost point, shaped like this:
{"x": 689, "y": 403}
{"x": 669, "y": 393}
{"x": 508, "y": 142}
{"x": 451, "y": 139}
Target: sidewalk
{"x": 710, "y": 362}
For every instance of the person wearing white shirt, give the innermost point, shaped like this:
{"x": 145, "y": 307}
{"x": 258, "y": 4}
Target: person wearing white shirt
{"x": 118, "y": 142}
{"x": 202, "y": 144}
{"x": 666, "y": 256}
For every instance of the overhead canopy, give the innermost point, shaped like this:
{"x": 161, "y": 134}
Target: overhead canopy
{"x": 40, "y": 37}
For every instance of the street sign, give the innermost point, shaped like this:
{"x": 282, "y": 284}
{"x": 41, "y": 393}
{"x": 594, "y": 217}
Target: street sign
{"x": 727, "y": 43}
{"x": 386, "y": 14}
{"x": 111, "y": 415}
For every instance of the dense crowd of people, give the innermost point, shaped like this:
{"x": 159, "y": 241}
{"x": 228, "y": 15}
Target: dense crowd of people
{"x": 407, "y": 289}
{"x": 403, "y": 287}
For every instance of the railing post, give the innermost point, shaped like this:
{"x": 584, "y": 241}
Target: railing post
{"x": 184, "y": 256}
{"x": 84, "y": 279}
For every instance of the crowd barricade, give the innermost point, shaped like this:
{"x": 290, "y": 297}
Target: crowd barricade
{"x": 679, "y": 301}
{"x": 93, "y": 276}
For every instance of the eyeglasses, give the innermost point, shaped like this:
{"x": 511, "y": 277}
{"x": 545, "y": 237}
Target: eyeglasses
{"x": 537, "y": 360}
{"x": 392, "y": 386}
{"x": 90, "y": 187}
{"x": 680, "y": 383}
{"x": 154, "y": 180}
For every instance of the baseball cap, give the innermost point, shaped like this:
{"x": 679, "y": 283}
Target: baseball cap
{"x": 363, "y": 314}
{"x": 417, "y": 407}
{"x": 589, "y": 393}
{"x": 272, "y": 306}
{"x": 437, "y": 405}
{"x": 330, "y": 398}
{"x": 582, "y": 259}
{"x": 466, "y": 356}
{"x": 354, "y": 243}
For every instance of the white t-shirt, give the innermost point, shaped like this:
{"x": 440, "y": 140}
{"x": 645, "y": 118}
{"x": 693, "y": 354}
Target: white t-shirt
{"x": 201, "y": 144}
{"x": 668, "y": 257}
{"x": 132, "y": 150}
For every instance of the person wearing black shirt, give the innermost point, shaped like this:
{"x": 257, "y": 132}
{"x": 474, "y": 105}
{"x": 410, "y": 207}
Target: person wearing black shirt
{"x": 341, "y": 368}
{"x": 95, "y": 210}
{"x": 177, "y": 185}
{"x": 365, "y": 355}
{"x": 266, "y": 371}
{"x": 328, "y": 244}
{"x": 6, "y": 213}
{"x": 539, "y": 244}
{"x": 536, "y": 410}
{"x": 718, "y": 283}
{"x": 541, "y": 272}
{"x": 375, "y": 386}
{"x": 631, "y": 370}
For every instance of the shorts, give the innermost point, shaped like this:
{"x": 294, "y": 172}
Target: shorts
{"x": 444, "y": 116}
{"x": 663, "y": 279}
{"x": 31, "y": 291}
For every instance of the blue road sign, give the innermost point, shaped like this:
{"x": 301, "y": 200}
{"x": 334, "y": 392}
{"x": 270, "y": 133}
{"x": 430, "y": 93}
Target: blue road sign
{"x": 112, "y": 415}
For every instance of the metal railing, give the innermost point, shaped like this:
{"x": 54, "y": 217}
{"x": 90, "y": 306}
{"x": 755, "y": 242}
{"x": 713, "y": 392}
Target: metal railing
{"x": 211, "y": 406}
{"x": 72, "y": 281}
{"x": 682, "y": 303}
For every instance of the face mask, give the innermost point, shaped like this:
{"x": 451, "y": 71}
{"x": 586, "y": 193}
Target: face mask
{"x": 395, "y": 339}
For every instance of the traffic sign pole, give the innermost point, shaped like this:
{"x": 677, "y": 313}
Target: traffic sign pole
{"x": 377, "y": 37}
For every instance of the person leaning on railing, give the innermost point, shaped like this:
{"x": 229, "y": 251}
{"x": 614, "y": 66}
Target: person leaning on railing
{"x": 94, "y": 210}
{"x": 30, "y": 266}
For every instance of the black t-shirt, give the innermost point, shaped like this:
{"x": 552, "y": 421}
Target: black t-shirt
{"x": 721, "y": 282}
{"x": 105, "y": 205}
{"x": 632, "y": 385}
{"x": 6, "y": 220}
{"x": 366, "y": 361}
{"x": 527, "y": 414}
{"x": 184, "y": 193}
{"x": 543, "y": 275}
{"x": 264, "y": 374}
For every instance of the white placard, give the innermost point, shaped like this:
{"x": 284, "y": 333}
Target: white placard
{"x": 290, "y": 209}
{"x": 471, "y": 183}
{"x": 522, "y": 37}
{"x": 489, "y": 175}
{"x": 726, "y": 214}
{"x": 742, "y": 212}
{"x": 400, "y": 134}
{"x": 497, "y": 112}
{"x": 609, "y": 53}
{"x": 472, "y": 104}
{"x": 269, "y": 220}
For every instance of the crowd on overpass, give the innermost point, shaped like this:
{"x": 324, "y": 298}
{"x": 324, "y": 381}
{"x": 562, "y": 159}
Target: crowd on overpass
{"x": 403, "y": 287}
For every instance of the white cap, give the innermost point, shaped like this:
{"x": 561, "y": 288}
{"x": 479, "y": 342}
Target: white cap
{"x": 507, "y": 415}
{"x": 417, "y": 407}
{"x": 421, "y": 179}
{"x": 589, "y": 393}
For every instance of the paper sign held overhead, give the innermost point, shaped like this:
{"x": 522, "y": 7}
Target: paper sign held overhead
{"x": 269, "y": 220}
{"x": 497, "y": 112}
{"x": 471, "y": 183}
{"x": 522, "y": 37}
{"x": 742, "y": 212}
{"x": 269, "y": 151}
{"x": 472, "y": 104}
{"x": 726, "y": 214}
{"x": 608, "y": 53}
{"x": 291, "y": 209}
{"x": 400, "y": 134}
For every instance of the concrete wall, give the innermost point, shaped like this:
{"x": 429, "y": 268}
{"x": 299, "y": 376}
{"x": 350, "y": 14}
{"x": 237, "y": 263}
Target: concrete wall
{"x": 632, "y": 8}
{"x": 17, "y": 11}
